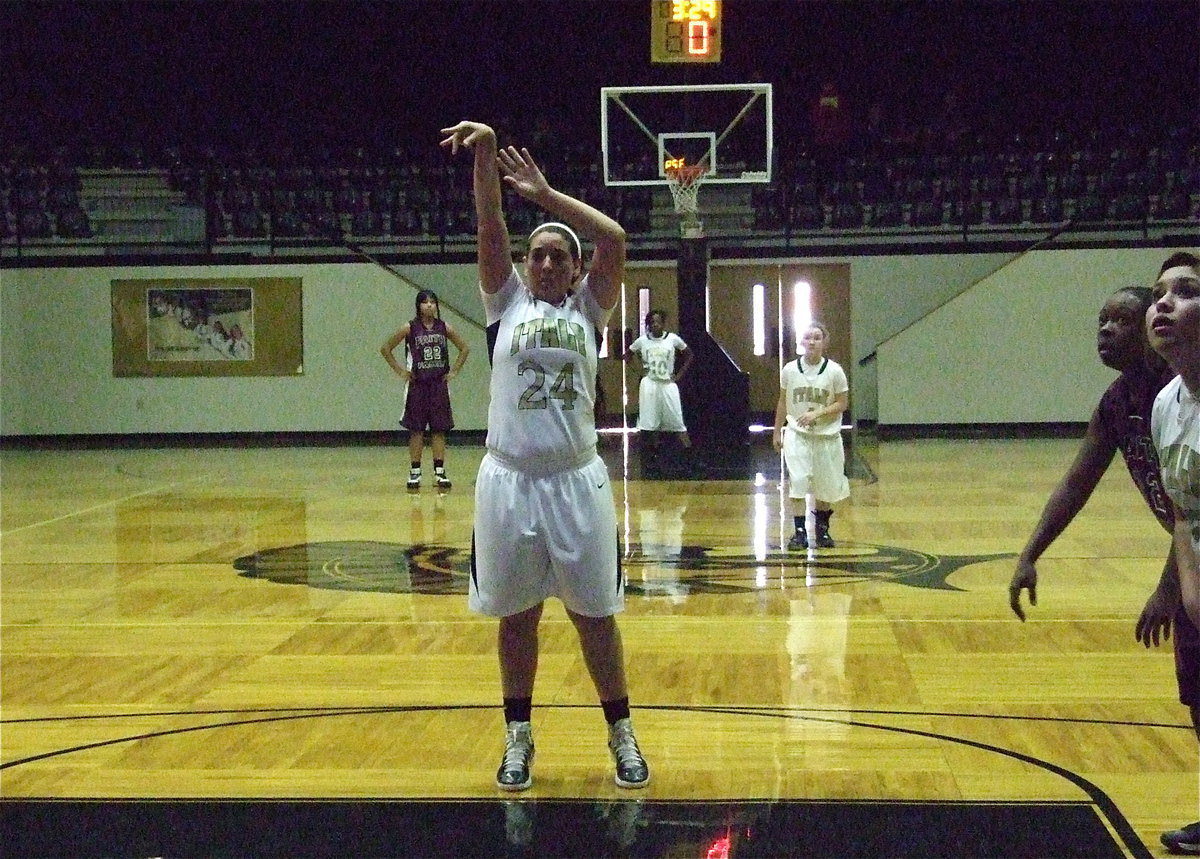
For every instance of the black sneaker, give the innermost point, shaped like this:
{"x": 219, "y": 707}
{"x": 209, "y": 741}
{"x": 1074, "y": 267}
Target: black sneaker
{"x": 514, "y": 772}
{"x": 798, "y": 542}
{"x": 824, "y": 541}
{"x": 1185, "y": 841}
{"x": 632, "y": 770}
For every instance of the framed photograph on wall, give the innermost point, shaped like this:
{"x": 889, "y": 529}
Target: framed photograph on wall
{"x": 208, "y": 327}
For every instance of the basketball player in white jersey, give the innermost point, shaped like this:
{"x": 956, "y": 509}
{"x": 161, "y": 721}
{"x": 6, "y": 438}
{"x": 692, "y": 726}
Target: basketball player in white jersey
{"x": 1173, "y": 328}
{"x": 659, "y": 406}
{"x": 813, "y": 393}
{"x": 545, "y": 521}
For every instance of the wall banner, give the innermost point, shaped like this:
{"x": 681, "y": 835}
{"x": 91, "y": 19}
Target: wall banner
{"x": 208, "y": 327}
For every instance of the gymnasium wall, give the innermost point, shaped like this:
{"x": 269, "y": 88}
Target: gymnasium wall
{"x": 929, "y": 345}
{"x": 1018, "y": 347}
{"x": 56, "y": 359}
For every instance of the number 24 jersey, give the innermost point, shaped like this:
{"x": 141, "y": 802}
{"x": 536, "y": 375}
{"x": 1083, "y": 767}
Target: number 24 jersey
{"x": 543, "y": 388}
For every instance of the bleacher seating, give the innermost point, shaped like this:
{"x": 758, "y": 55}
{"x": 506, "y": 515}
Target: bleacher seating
{"x": 134, "y": 193}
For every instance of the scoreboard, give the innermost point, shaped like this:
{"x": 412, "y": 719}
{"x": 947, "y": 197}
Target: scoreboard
{"x": 685, "y": 31}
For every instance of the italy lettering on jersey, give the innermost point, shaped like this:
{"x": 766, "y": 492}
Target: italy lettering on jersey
{"x": 819, "y": 387}
{"x": 550, "y": 334}
{"x": 1175, "y": 425}
{"x": 543, "y": 385}
{"x": 658, "y": 354}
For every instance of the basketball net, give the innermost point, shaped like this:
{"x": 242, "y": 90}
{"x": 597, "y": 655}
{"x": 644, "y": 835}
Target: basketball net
{"x": 684, "y": 183}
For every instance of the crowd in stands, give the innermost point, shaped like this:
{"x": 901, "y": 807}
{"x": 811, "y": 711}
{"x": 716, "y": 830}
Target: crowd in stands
{"x": 918, "y": 181}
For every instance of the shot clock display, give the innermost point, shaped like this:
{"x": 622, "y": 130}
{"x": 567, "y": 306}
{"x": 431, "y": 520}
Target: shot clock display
{"x": 685, "y": 31}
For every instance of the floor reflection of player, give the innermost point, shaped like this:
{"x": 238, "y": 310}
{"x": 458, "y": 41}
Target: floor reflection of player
{"x": 423, "y": 527}
{"x": 818, "y": 631}
{"x": 660, "y": 532}
{"x": 519, "y": 820}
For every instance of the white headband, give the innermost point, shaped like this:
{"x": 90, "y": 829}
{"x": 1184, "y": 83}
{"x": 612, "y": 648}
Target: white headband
{"x": 570, "y": 232}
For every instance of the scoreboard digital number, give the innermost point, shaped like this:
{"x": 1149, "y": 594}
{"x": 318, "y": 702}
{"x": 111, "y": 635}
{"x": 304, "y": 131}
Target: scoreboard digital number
{"x": 685, "y": 31}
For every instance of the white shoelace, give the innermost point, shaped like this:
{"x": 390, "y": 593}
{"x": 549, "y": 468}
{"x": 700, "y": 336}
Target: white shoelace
{"x": 625, "y": 747}
{"x": 516, "y": 749}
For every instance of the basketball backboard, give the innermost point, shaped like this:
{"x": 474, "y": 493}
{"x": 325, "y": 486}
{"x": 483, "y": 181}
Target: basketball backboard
{"x": 725, "y": 127}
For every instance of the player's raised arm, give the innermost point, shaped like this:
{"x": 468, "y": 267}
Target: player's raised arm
{"x": 607, "y": 269}
{"x": 495, "y": 252}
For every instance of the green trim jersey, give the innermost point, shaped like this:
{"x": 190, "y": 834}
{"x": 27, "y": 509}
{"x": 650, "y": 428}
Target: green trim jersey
{"x": 1175, "y": 428}
{"x": 807, "y": 386}
{"x": 543, "y": 389}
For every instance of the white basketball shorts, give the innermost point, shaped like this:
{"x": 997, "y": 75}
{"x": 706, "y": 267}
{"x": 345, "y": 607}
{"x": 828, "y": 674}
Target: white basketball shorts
{"x": 538, "y": 536}
{"x": 816, "y": 464}
{"x": 659, "y": 408}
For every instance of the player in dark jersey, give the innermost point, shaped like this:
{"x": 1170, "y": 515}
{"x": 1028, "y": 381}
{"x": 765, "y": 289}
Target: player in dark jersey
{"x": 1121, "y": 421}
{"x": 427, "y": 338}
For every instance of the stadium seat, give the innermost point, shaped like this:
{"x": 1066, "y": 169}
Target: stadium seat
{"x": 887, "y": 214}
{"x": 248, "y": 223}
{"x": 1173, "y": 204}
{"x": 1129, "y": 207}
{"x": 927, "y": 213}
{"x": 288, "y": 224}
{"x": 1089, "y": 208}
{"x": 325, "y": 224}
{"x": 808, "y": 216}
{"x": 61, "y": 198}
{"x": 73, "y": 224}
{"x": 1046, "y": 210}
{"x": 847, "y": 216}
{"x": 366, "y": 222}
{"x": 1006, "y": 210}
{"x": 967, "y": 213}
{"x": 34, "y": 224}
{"x": 1073, "y": 183}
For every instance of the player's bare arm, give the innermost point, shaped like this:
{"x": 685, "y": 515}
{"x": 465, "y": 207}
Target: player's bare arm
{"x": 1067, "y": 499}
{"x": 607, "y": 269}
{"x": 388, "y": 350}
{"x": 495, "y": 250}
{"x": 463, "y": 351}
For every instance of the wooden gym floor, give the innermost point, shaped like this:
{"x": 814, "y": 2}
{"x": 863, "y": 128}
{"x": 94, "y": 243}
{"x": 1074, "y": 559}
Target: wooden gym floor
{"x": 266, "y": 651}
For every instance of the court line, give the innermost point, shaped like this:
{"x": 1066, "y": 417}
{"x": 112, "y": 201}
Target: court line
{"x": 1098, "y": 797}
{"x": 160, "y": 488}
{"x": 765, "y": 708}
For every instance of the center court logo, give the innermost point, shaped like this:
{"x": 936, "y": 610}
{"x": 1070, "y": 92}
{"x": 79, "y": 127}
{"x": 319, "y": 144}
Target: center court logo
{"x": 650, "y": 571}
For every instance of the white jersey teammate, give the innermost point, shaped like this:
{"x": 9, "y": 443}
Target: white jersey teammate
{"x": 813, "y": 393}
{"x": 659, "y": 406}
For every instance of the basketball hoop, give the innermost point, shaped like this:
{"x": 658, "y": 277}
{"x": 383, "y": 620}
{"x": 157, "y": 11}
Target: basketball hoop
{"x": 684, "y": 183}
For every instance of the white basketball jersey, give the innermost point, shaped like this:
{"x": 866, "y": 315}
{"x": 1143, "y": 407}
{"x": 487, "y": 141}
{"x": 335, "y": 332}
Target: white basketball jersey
{"x": 1175, "y": 428}
{"x": 658, "y": 354}
{"x": 813, "y": 385}
{"x": 543, "y": 390}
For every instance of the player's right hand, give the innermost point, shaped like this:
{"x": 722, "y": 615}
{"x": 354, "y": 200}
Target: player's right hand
{"x": 1154, "y": 624}
{"x": 466, "y": 133}
{"x": 1025, "y": 578}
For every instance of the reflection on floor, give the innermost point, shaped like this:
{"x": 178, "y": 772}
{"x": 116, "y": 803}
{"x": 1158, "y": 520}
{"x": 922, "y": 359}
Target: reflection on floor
{"x": 665, "y": 459}
{"x": 558, "y": 828}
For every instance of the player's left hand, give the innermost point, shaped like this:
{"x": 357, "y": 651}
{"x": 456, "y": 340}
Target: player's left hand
{"x": 1156, "y": 618}
{"x": 521, "y": 172}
